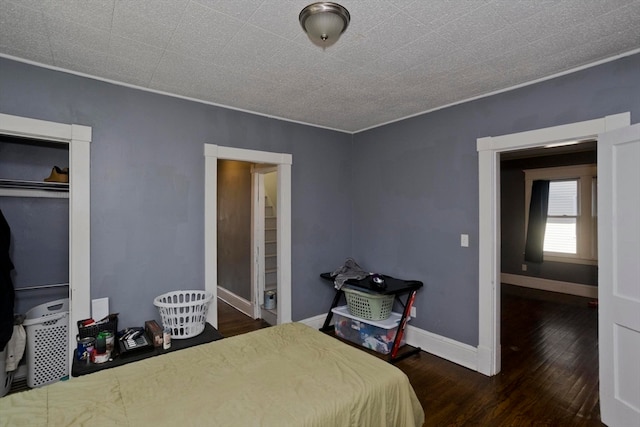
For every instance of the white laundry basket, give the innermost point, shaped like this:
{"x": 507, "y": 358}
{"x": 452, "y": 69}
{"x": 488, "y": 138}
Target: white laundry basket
{"x": 184, "y": 312}
{"x": 47, "y": 327}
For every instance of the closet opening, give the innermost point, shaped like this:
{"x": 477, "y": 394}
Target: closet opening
{"x": 45, "y": 195}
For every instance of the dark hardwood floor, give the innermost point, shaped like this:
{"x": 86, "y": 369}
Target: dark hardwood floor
{"x": 232, "y": 322}
{"x": 549, "y": 371}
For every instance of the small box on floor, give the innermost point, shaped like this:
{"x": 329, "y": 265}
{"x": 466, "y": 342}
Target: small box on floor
{"x": 376, "y": 335}
{"x": 154, "y": 332}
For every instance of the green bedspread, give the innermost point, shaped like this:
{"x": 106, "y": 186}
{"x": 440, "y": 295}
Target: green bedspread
{"x": 288, "y": 375}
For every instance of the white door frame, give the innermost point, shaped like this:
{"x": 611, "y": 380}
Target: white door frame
{"x": 79, "y": 139}
{"x": 258, "y": 244}
{"x": 283, "y": 162}
{"x": 489, "y": 149}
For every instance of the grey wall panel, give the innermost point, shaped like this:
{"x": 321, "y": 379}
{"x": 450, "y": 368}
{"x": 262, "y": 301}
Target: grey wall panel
{"x": 397, "y": 199}
{"x": 415, "y": 184}
{"x": 147, "y": 184}
{"x": 39, "y": 247}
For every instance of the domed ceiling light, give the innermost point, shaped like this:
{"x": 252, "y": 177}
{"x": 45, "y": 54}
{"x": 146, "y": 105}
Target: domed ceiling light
{"x": 324, "y": 22}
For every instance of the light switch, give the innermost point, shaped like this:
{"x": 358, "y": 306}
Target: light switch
{"x": 464, "y": 240}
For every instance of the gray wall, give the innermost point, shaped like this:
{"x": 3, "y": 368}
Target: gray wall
{"x": 396, "y": 199}
{"x": 147, "y": 185}
{"x": 512, "y": 208}
{"x": 234, "y": 227}
{"x": 39, "y": 246}
{"x": 415, "y": 184}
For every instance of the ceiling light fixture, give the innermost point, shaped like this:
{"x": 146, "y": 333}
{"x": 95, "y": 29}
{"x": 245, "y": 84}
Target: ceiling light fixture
{"x": 324, "y": 22}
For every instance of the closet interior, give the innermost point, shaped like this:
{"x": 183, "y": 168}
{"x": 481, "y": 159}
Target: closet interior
{"x": 34, "y": 200}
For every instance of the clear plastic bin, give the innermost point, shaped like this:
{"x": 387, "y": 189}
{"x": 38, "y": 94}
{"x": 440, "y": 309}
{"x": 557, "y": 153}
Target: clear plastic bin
{"x": 376, "y": 335}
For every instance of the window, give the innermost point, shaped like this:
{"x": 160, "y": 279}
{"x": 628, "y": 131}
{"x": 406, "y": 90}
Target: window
{"x": 562, "y": 217}
{"x": 571, "y": 228}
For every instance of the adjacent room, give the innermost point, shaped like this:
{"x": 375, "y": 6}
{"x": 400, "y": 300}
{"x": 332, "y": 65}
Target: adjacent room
{"x": 467, "y": 168}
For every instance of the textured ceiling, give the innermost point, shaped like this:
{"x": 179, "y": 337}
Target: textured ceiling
{"x": 398, "y": 58}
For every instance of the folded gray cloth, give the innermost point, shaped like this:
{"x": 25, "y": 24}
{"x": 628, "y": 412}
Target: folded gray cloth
{"x": 350, "y": 270}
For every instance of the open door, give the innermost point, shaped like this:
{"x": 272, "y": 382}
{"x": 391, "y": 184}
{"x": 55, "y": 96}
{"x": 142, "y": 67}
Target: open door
{"x": 264, "y": 239}
{"x": 619, "y": 276}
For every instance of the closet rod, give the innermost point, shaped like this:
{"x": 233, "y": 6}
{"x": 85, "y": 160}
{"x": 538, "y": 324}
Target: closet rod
{"x": 30, "y": 288}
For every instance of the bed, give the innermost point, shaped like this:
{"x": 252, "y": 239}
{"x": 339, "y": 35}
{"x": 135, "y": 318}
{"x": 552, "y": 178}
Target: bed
{"x": 287, "y": 375}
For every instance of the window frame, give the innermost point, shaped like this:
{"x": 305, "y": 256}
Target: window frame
{"x": 586, "y": 238}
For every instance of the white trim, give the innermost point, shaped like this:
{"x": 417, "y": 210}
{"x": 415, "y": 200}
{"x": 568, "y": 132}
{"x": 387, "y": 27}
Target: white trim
{"x": 489, "y": 358}
{"x": 454, "y": 351}
{"x": 211, "y": 232}
{"x": 283, "y": 161}
{"x": 284, "y": 242}
{"x": 37, "y": 129}
{"x": 79, "y": 139}
{"x": 489, "y": 149}
{"x": 235, "y": 301}
{"x": 569, "y": 288}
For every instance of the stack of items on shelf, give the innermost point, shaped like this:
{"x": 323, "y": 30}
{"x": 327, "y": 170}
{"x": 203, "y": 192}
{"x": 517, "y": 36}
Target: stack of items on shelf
{"x": 96, "y": 339}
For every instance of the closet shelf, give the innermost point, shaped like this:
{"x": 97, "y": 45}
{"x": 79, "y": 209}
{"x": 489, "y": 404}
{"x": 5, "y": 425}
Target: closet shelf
{"x": 22, "y": 188}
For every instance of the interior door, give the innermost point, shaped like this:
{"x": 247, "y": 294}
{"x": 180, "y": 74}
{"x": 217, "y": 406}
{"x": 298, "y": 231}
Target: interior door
{"x": 619, "y": 276}
{"x": 257, "y": 240}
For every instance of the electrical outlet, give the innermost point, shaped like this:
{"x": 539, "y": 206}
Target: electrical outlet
{"x": 524, "y": 267}
{"x": 413, "y": 312}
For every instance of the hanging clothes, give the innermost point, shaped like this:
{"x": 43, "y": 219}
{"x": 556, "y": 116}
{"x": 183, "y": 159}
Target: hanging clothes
{"x": 15, "y": 348}
{"x": 7, "y": 294}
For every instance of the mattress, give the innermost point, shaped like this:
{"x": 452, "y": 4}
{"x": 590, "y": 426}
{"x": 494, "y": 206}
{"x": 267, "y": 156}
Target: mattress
{"x": 287, "y": 375}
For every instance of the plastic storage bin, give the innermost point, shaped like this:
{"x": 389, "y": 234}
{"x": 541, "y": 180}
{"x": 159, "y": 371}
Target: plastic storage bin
{"x": 47, "y": 328}
{"x": 367, "y": 305}
{"x": 184, "y": 312}
{"x": 375, "y": 335}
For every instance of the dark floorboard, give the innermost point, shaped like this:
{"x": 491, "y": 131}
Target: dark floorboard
{"x": 549, "y": 371}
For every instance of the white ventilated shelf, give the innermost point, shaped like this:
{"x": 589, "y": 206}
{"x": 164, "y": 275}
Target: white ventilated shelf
{"x": 22, "y": 188}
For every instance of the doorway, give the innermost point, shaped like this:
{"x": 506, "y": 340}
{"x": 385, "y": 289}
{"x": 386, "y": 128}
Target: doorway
{"x": 489, "y": 151}
{"x": 247, "y": 237}
{"x": 570, "y": 242}
{"x": 282, "y": 162}
{"x": 234, "y": 234}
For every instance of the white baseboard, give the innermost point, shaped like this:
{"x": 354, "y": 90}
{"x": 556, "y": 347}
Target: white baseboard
{"x": 550, "y": 285}
{"x": 454, "y": 351}
{"x": 315, "y": 322}
{"x": 235, "y": 301}
{"x": 446, "y": 348}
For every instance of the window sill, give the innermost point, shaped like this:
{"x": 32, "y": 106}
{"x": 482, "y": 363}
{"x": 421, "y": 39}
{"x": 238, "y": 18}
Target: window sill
{"x": 570, "y": 259}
